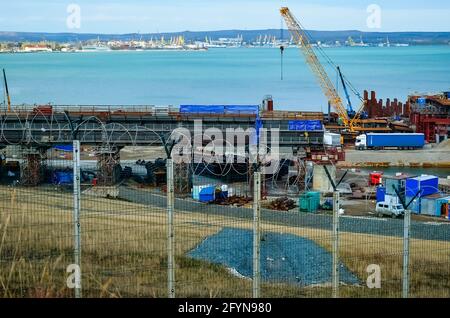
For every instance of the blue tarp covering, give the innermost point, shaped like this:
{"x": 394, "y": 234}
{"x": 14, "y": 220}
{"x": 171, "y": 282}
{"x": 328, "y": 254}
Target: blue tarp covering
{"x": 305, "y": 125}
{"x": 242, "y": 109}
{"x": 219, "y": 109}
{"x": 64, "y": 147}
{"x": 62, "y": 177}
{"x": 285, "y": 258}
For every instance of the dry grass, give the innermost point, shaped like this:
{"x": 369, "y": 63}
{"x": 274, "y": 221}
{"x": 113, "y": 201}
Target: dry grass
{"x": 124, "y": 252}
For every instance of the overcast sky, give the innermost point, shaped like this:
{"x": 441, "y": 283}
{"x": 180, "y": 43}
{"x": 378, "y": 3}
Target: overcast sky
{"x": 145, "y": 16}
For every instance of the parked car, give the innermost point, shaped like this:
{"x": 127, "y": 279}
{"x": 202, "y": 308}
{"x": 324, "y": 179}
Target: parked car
{"x": 393, "y": 210}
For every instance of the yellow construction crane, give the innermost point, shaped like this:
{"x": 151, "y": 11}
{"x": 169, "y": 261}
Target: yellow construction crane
{"x": 300, "y": 37}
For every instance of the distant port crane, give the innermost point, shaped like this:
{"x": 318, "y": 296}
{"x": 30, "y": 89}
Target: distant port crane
{"x": 302, "y": 40}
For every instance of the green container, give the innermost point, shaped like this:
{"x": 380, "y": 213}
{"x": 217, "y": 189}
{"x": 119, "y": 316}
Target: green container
{"x": 309, "y": 202}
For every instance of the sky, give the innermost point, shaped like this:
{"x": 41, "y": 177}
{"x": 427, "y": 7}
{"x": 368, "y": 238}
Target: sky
{"x": 149, "y": 16}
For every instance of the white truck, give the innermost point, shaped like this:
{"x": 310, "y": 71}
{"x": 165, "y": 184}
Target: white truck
{"x": 390, "y": 209}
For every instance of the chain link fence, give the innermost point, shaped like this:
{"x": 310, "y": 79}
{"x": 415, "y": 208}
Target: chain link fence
{"x": 141, "y": 229}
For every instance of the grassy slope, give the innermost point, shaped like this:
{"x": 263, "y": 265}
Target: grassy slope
{"x": 124, "y": 252}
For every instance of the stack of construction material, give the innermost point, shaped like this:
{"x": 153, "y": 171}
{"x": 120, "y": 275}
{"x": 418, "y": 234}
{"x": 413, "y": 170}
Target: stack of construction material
{"x": 282, "y": 204}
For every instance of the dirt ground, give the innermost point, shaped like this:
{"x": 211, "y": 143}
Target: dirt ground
{"x": 399, "y": 157}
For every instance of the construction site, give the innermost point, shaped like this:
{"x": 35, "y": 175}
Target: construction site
{"x": 263, "y": 202}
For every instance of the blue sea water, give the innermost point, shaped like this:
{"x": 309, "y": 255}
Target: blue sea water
{"x": 219, "y": 76}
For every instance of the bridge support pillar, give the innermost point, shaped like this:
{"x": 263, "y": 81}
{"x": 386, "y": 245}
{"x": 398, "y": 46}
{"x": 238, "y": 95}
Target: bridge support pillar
{"x": 32, "y": 170}
{"x": 108, "y": 165}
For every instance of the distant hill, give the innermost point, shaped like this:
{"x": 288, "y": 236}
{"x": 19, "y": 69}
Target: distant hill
{"x": 414, "y": 38}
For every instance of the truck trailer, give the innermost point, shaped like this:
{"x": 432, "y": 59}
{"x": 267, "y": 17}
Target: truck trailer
{"x": 394, "y": 140}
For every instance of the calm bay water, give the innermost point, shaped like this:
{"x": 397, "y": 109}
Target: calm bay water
{"x": 218, "y": 76}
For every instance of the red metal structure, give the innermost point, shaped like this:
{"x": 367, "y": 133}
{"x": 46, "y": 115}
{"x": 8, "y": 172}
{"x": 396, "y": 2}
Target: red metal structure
{"x": 430, "y": 114}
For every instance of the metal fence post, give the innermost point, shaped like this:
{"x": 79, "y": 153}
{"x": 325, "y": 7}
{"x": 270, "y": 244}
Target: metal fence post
{"x": 406, "y": 235}
{"x": 335, "y": 269}
{"x": 256, "y": 235}
{"x": 76, "y": 214}
{"x": 170, "y": 232}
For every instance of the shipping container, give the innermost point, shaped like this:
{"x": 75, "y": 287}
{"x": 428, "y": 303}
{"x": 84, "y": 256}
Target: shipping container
{"x": 429, "y": 203}
{"x": 399, "y": 182}
{"x": 443, "y": 207}
{"x": 395, "y": 140}
{"x": 427, "y": 185}
{"x": 415, "y": 205}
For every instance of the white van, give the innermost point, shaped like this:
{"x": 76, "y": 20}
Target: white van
{"x": 393, "y": 210}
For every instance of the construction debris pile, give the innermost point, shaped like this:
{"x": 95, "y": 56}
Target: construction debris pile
{"x": 233, "y": 200}
{"x": 282, "y": 204}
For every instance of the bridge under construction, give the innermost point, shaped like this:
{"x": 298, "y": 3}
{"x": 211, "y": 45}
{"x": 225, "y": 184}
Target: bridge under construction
{"x": 35, "y": 129}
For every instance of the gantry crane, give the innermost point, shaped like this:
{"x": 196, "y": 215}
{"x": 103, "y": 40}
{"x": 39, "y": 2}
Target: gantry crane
{"x": 301, "y": 38}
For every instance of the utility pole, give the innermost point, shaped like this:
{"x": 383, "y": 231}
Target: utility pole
{"x": 335, "y": 230}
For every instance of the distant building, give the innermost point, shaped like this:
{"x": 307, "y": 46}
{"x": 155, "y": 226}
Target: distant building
{"x": 36, "y": 48}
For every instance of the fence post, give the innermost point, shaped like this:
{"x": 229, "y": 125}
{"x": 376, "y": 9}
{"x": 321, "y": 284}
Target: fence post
{"x": 335, "y": 251}
{"x": 170, "y": 233}
{"x": 76, "y": 215}
{"x": 256, "y": 234}
{"x": 406, "y": 235}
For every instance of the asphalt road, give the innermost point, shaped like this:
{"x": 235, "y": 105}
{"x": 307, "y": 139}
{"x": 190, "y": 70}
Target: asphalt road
{"x": 365, "y": 225}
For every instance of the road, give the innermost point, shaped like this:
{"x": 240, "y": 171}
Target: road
{"x": 365, "y": 225}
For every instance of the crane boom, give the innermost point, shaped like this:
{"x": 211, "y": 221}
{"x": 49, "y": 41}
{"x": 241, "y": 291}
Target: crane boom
{"x": 301, "y": 39}
{"x": 350, "y": 112}
{"x": 7, "y": 91}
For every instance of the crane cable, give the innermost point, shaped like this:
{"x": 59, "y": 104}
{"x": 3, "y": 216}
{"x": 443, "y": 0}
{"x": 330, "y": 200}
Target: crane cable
{"x": 281, "y": 47}
{"x": 330, "y": 61}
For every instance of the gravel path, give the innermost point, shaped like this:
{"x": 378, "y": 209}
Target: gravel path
{"x": 366, "y": 225}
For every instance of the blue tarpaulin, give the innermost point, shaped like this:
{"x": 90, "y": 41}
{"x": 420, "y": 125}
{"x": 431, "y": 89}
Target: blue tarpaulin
{"x": 68, "y": 148}
{"x": 62, "y": 177}
{"x": 305, "y": 125}
{"x": 219, "y": 109}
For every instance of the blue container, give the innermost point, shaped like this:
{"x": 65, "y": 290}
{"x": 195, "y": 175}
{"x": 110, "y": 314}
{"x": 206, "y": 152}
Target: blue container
{"x": 443, "y": 207}
{"x": 395, "y": 140}
{"x": 415, "y": 205}
{"x": 447, "y": 95}
{"x": 427, "y": 185}
{"x": 381, "y": 194}
{"x": 207, "y": 194}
